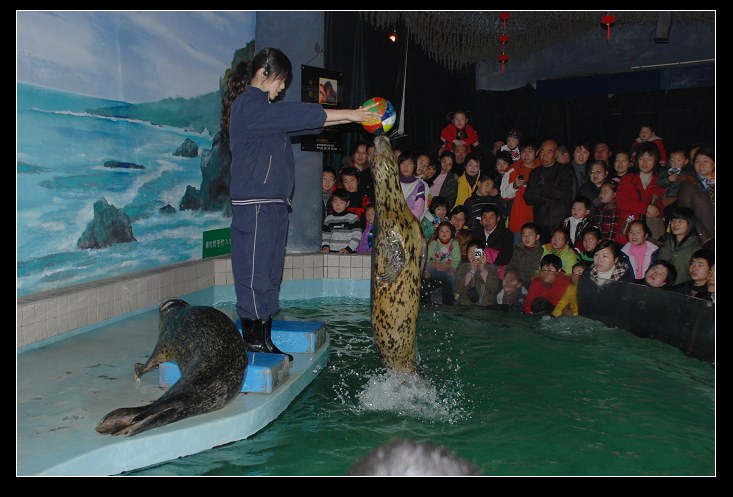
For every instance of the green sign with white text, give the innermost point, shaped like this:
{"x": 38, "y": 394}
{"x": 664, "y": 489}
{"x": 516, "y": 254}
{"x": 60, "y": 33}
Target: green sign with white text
{"x": 216, "y": 242}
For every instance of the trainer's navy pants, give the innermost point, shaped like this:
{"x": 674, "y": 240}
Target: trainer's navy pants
{"x": 259, "y": 233}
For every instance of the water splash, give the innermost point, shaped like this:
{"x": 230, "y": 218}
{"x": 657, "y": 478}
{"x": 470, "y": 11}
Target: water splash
{"x": 413, "y": 396}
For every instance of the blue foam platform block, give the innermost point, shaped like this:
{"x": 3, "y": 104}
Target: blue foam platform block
{"x": 264, "y": 373}
{"x": 296, "y": 337}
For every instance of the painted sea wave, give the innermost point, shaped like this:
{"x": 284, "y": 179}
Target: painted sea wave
{"x": 62, "y": 147}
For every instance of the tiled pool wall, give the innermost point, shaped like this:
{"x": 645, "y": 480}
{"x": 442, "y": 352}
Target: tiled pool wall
{"x": 54, "y": 314}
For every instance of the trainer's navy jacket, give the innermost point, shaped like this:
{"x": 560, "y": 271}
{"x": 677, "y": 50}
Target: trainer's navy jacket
{"x": 263, "y": 165}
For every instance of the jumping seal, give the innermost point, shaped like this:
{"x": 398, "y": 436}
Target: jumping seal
{"x": 397, "y": 253}
{"x": 210, "y": 352}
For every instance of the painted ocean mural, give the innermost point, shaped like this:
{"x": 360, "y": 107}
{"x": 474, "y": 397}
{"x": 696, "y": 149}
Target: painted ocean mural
{"x": 61, "y": 173}
{"x": 104, "y": 100}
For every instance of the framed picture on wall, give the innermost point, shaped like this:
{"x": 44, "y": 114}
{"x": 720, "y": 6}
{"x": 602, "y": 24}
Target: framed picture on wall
{"x": 321, "y": 86}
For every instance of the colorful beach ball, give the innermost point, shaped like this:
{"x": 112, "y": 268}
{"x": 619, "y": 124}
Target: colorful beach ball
{"x": 385, "y": 109}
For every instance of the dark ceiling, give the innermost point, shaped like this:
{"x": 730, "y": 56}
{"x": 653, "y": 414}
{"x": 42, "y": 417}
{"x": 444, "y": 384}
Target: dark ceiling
{"x": 459, "y": 38}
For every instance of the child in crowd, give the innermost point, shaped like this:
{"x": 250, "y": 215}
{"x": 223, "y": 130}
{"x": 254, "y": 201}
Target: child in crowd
{"x": 367, "y": 236}
{"x": 591, "y": 237}
{"x": 547, "y": 289}
{"x": 468, "y": 181}
{"x": 568, "y": 304}
{"x": 328, "y": 182}
{"x": 413, "y": 188}
{"x": 476, "y": 281}
{"x": 503, "y": 162}
{"x": 646, "y": 134}
{"x": 350, "y": 182}
{"x": 359, "y": 159}
{"x": 680, "y": 243}
{"x": 608, "y": 263}
{"x": 438, "y": 214}
{"x": 513, "y": 138}
{"x": 659, "y": 275}
{"x": 482, "y": 197}
{"x": 578, "y": 220}
{"x": 560, "y": 247}
{"x": 606, "y": 212}
{"x": 341, "y": 229}
{"x": 458, "y": 132}
{"x": 667, "y": 177}
{"x": 512, "y": 293}
{"x": 597, "y": 174}
{"x": 639, "y": 249}
{"x": 444, "y": 254}
{"x": 526, "y": 257}
{"x": 700, "y": 266}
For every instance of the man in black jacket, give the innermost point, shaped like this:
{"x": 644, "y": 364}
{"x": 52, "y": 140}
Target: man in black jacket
{"x": 550, "y": 190}
{"x": 494, "y": 235}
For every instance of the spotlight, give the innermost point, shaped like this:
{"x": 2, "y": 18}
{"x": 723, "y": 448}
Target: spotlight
{"x": 393, "y": 36}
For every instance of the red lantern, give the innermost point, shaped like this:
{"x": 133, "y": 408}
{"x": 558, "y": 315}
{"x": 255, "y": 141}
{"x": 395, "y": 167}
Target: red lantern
{"x": 503, "y": 58}
{"x": 608, "y": 20}
{"x": 503, "y": 38}
{"x": 504, "y": 16}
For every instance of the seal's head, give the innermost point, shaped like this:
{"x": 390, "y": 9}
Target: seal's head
{"x": 384, "y": 164}
{"x": 171, "y": 305}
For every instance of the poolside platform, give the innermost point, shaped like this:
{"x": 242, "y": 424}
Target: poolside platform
{"x": 76, "y": 348}
{"x": 65, "y": 388}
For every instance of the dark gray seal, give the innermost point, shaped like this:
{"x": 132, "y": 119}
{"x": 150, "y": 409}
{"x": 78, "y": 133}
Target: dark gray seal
{"x": 397, "y": 256}
{"x": 210, "y": 352}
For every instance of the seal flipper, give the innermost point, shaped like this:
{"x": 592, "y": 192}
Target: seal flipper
{"x": 394, "y": 256}
{"x": 118, "y": 419}
{"x": 154, "y": 416}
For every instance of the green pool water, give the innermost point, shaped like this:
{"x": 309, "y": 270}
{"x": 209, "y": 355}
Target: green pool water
{"x": 514, "y": 395}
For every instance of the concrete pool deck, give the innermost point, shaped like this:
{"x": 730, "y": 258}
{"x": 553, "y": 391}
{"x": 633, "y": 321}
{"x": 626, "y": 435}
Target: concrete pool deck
{"x": 66, "y": 388}
{"x": 68, "y": 380}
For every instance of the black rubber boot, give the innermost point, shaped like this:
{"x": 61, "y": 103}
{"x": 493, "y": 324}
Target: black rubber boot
{"x": 266, "y": 327}
{"x": 254, "y": 338}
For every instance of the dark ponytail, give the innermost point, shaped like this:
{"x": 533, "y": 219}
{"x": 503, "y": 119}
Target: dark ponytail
{"x": 236, "y": 80}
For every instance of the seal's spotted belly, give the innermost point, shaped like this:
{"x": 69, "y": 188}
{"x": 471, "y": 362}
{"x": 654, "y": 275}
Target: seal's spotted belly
{"x": 396, "y": 265}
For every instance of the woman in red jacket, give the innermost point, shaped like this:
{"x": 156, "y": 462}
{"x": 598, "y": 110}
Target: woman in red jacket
{"x": 638, "y": 193}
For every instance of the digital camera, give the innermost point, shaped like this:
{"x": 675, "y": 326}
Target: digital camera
{"x": 479, "y": 253}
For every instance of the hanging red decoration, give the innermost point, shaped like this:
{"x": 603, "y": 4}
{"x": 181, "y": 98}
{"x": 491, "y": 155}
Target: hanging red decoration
{"x": 503, "y": 58}
{"x": 608, "y": 20}
{"x": 503, "y": 40}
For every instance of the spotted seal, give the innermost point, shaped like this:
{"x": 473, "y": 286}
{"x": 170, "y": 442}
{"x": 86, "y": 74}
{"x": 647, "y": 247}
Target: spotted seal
{"x": 397, "y": 254}
{"x": 210, "y": 352}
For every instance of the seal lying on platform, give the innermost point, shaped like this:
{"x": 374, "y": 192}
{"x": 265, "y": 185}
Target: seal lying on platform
{"x": 210, "y": 352}
{"x": 397, "y": 254}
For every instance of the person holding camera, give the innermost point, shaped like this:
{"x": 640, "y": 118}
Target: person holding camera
{"x": 494, "y": 236}
{"x": 476, "y": 281}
